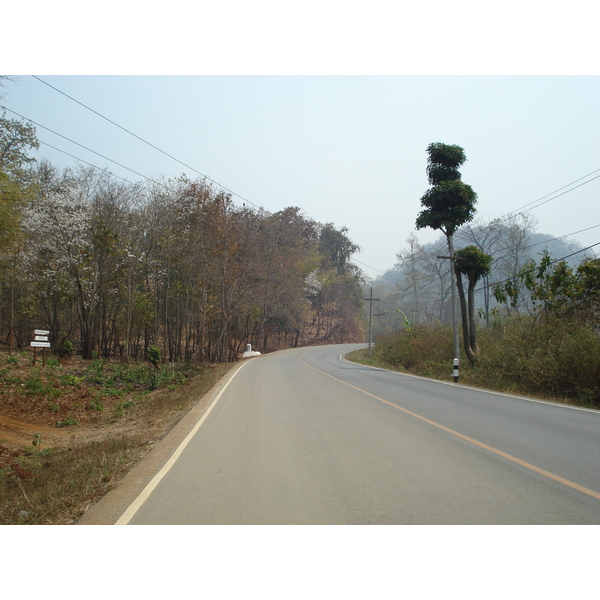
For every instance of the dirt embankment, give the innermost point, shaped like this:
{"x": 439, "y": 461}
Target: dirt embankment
{"x": 48, "y": 405}
{"x": 73, "y": 400}
{"x": 70, "y": 431}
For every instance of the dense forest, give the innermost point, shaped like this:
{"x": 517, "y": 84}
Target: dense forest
{"x": 113, "y": 268}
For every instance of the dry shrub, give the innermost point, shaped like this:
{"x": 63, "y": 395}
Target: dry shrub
{"x": 424, "y": 351}
{"x": 63, "y": 482}
{"x": 554, "y": 358}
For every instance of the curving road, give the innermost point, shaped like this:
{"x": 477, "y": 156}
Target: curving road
{"x": 304, "y": 437}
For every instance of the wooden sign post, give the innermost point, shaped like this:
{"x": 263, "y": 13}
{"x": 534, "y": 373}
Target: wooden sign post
{"x": 41, "y": 341}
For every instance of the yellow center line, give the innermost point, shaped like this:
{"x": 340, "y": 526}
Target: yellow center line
{"x": 514, "y": 459}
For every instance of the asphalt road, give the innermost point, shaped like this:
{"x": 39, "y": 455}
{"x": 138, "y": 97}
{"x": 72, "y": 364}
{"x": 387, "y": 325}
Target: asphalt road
{"x": 304, "y": 437}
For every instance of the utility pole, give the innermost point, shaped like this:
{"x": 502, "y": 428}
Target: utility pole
{"x": 454, "y": 324}
{"x": 370, "y": 300}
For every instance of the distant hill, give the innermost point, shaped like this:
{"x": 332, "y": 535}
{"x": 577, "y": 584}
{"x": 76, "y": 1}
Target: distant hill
{"x": 419, "y": 283}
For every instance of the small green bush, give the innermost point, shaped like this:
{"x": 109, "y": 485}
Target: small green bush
{"x": 96, "y": 405}
{"x": 68, "y": 422}
{"x": 154, "y": 355}
{"x": 95, "y": 371}
{"x": 64, "y": 346}
{"x": 71, "y": 379}
{"x": 35, "y": 385}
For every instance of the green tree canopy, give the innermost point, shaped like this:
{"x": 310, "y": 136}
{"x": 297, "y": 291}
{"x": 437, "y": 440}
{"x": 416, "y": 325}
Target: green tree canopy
{"x": 449, "y": 203}
{"x": 448, "y": 206}
{"x": 473, "y": 263}
{"x": 16, "y": 139}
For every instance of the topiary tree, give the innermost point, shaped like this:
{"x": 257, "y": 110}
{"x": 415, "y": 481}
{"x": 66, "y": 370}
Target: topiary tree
{"x": 449, "y": 203}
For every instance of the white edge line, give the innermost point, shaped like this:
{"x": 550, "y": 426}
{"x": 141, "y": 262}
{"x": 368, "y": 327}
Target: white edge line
{"x": 126, "y": 517}
{"x": 467, "y": 387}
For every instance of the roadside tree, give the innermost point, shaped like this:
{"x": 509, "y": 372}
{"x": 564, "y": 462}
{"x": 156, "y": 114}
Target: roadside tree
{"x": 449, "y": 203}
{"x": 474, "y": 264}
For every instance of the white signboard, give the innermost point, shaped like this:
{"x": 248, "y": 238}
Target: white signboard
{"x": 40, "y": 344}
{"x": 41, "y": 332}
{"x": 41, "y": 338}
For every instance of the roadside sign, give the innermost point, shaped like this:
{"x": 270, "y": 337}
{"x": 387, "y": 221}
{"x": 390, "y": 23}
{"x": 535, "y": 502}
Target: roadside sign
{"x": 41, "y": 341}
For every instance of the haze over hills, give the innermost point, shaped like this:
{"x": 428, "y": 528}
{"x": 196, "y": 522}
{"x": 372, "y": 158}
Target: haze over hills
{"x": 419, "y": 283}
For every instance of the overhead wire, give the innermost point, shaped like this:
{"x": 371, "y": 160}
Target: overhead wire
{"x": 549, "y": 200}
{"x": 78, "y": 144}
{"x": 146, "y": 142}
{"x": 552, "y": 262}
{"x": 422, "y": 260}
{"x": 529, "y": 246}
{"x": 250, "y": 202}
{"x": 554, "y": 192}
{"x": 77, "y": 158}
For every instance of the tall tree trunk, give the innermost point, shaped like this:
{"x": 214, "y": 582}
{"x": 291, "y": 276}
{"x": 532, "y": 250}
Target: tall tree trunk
{"x": 472, "y": 318}
{"x": 465, "y": 321}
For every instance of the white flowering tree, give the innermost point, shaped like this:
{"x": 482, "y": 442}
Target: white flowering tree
{"x": 74, "y": 255}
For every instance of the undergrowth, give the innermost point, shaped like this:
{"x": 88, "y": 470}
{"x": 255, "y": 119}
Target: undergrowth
{"x": 552, "y": 360}
{"x": 45, "y": 485}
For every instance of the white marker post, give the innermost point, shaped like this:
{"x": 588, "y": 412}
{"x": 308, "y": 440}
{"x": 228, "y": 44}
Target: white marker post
{"x": 249, "y": 352}
{"x": 41, "y": 341}
{"x": 455, "y": 370}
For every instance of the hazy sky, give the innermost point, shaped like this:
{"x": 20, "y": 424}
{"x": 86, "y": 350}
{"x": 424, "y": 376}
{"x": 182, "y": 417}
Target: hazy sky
{"x": 346, "y": 148}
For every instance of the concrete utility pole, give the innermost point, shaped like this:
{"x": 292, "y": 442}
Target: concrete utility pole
{"x": 370, "y": 300}
{"x": 454, "y": 324}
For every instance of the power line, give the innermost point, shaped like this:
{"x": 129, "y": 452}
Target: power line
{"x": 99, "y": 168}
{"x": 510, "y": 278}
{"x": 558, "y": 196}
{"x": 93, "y": 152}
{"x": 245, "y": 199}
{"x": 530, "y": 246}
{"x": 422, "y": 260}
{"x": 438, "y": 278}
{"x": 551, "y": 263}
{"x": 527, "y": 247}
{"x": 77, "y": 144}
{"x": 554, "y": 192}
{"x": 145, "y": 141}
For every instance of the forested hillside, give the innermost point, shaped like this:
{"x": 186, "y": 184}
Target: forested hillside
{"x": 113, "y": 268}
{"x": 419, "y": 283}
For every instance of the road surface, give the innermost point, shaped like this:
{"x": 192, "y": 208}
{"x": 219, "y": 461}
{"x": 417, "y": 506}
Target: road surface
{"x": 304, "y": 437}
